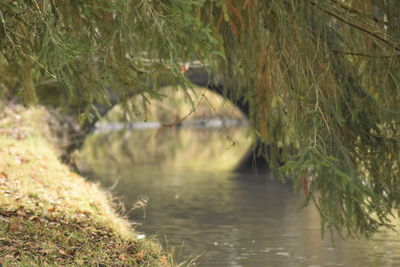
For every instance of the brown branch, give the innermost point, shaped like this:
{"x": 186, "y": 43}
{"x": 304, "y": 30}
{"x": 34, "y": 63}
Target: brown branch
{"x": 178, "y": 121}
{"x": 236, "y": 12}
{"x": 234, "y": 28}
{"x": 219, "y": 20}
{"x": 246, "y": 3}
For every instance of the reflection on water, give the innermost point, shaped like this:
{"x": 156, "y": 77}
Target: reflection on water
{"x": 173, "y": 148}
{"x": 229, "y": 219}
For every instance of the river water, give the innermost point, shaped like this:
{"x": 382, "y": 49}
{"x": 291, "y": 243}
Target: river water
{"x": 212, "y": 216}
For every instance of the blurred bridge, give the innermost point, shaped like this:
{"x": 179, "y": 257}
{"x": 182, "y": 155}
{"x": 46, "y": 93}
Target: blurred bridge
{"x": 198, "y": 75}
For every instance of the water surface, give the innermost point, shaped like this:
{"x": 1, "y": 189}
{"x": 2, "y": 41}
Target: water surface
{"x": 229, "y": 219}
{"x": 240, "y": 220}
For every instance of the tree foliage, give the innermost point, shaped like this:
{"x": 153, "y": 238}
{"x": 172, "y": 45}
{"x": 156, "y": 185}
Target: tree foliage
{"x": 321, "y": 78}
{"x": 91, "y": 46}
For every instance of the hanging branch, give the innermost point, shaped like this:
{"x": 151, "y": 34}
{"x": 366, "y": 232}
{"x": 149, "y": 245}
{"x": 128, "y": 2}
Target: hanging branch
{"x": 385, "y": 39}
{"x": 355, "y": 11}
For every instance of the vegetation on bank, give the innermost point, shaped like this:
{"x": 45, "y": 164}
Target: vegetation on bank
{"x": 50, "y": 216}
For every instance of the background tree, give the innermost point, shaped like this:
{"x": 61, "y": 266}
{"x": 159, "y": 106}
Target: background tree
{"x": 320, "y": 76}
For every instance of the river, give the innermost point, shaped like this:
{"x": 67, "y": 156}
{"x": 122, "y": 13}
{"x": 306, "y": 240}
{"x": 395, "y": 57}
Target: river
{"x": 208, "y": 215}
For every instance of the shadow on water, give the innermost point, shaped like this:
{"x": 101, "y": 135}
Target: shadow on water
{"x": 252, "y": 163}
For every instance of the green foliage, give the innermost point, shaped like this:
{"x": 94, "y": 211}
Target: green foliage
{"x": 321, "y": 78}
{"x": 91, "y": 46}
{"x": 322, "y": 83}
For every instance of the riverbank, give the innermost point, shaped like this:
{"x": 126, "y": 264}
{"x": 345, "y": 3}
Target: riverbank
{"x": 52, "y": 216}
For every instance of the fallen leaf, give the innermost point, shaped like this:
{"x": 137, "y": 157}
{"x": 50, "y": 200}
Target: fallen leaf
{"x": 33, "y": 218}
{"x": 122, "y": 257}
{"x": 3, "y": 175}
{"x": 14, "y": 225}
{"x": 45, "y": 251}
{"x": 164, "y": 260}
{"x": 29, "y": 244}
{"x": 24, "y": 160}
{"x": 140, "y": 255}
{"x": 7, "y": 213}
{"x": 52, "y": 209}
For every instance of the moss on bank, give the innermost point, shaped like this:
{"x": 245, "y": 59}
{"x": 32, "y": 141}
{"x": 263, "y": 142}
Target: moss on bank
{"x": 52, "y": 216}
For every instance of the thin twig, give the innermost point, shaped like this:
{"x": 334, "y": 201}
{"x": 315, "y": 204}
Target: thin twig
{"x": 363, "y": 54}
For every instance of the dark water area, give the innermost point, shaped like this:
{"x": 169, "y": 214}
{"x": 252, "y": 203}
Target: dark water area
{"x": 240, "y": 220}
{"x": 227, "y": 218}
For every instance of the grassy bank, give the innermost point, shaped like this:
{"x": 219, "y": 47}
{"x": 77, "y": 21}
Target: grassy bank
{"x": 52, "y": 216}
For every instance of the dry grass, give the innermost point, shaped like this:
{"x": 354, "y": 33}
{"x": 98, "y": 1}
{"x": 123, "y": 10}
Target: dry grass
{"x": 52, "y": 216}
